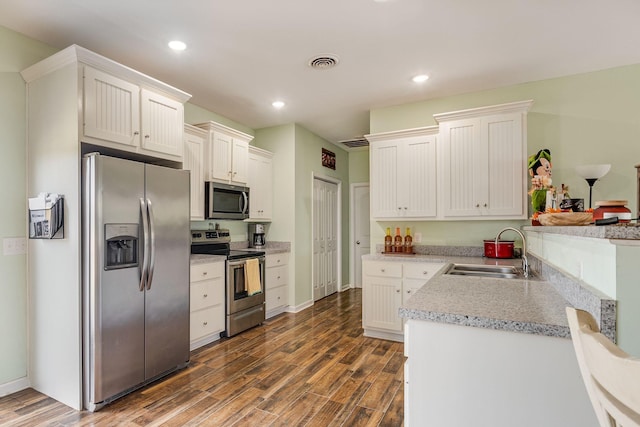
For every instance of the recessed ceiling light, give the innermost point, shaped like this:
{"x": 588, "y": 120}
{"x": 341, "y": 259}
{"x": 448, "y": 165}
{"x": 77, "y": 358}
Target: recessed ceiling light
{"x": 420, "y": 78}
{"x": 177, "y": 45}
{"x": 277, "y": 104}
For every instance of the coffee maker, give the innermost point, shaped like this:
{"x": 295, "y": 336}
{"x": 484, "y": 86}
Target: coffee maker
{"x": 256, "y": 236}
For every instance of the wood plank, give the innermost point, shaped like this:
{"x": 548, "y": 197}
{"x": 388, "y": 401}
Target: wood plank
{"x": 310, "y": 368}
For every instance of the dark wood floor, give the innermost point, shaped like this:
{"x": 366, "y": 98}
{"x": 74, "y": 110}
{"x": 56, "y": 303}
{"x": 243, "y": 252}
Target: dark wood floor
{"x": 313, "y": 368}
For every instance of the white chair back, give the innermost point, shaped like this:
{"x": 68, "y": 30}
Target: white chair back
{"x": 611, "y": 376}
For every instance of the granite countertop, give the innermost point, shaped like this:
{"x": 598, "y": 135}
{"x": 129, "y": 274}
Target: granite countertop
{"x": 526, "y": 306}
{"x": 529, "y": 306}
{"x": 629, "y": 231}
{"x": 204, "y": 259}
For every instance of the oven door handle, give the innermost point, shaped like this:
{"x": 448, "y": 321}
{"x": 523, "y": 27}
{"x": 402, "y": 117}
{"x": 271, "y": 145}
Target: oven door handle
{"x": 236, "y": 263}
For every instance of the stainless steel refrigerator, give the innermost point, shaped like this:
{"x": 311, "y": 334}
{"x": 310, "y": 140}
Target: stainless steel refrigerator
{"x": 136, "y": 246}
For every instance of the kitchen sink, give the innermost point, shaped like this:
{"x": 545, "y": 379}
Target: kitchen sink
{"x": 480, "y": 270}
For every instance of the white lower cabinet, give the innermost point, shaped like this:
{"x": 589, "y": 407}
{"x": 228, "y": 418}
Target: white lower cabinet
{"x": 386, "y": 285}
{"x": 207, "y": 303}
{"x": 276, "y": 283}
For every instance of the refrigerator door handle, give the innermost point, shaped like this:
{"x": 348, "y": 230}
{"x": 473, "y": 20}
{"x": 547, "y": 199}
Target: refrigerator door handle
{"x": 145, "y": 250}
{"x": 152, "y": 245}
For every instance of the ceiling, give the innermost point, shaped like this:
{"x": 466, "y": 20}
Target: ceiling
{"x": 244, "y": 54}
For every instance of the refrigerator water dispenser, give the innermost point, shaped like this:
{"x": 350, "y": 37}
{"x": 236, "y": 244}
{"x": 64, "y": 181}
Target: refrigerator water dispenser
{"x": 121, "y": 246}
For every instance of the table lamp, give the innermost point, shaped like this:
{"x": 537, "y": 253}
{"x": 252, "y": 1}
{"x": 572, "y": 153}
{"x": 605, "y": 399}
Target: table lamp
{"x": 592, "y": 173}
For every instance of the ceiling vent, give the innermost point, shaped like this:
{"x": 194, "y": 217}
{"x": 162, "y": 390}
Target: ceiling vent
{"x": 323, "y": 62}
{"x": 360, "y": 141}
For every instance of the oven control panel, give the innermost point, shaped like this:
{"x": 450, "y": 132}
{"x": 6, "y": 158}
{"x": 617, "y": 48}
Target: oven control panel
{"x": 210, "y": 236}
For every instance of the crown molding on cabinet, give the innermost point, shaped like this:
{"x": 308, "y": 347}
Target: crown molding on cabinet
{"x": 404, "y": 133}
{"x": 512, "y": 107}
{"x": 77, "y": 54}
{"x": 213, "y": 126}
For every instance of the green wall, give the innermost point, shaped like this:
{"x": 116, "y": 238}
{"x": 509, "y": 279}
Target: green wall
{"x": 16, "y": 53}
{"x": 194, "y": 114}
{"x": 307, "y": 162}
{"x": 583, "y": 119}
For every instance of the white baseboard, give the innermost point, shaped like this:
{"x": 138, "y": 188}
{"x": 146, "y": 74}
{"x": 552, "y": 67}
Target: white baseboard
{"x": 14, "y": 386}
{"x": 276, "y": 311}
{"x": 391, "y": 336}
{"x": 346, "y": 287}
{"x": 300, "y": 307}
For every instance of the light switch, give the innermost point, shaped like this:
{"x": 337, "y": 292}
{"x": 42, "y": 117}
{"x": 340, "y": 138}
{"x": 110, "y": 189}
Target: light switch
{"x": 14, "y": 246}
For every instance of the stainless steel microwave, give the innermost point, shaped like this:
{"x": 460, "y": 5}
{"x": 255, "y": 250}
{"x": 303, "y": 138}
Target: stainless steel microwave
{"x": 224, "y": 201}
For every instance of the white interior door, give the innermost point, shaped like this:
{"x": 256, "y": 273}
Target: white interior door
{"x": 361, "y": 244}
{"x": 325, "y": 238}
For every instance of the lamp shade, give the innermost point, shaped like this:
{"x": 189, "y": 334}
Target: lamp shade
{"x": 592, "y": 171}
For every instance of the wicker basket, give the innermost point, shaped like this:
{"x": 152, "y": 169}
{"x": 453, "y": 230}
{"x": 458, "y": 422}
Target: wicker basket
{"x": 566, "y": 218}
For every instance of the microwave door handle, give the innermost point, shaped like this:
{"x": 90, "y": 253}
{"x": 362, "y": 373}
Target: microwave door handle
{"x": 145, "y": 249}
{"x": 210, "y": 206}
{"x": 245, "y": 205}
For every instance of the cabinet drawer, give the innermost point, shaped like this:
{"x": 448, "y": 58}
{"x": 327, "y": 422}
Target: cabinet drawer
{"x": 277, "y": 276}
{"x": 421, "y": 270}
{"x": 276, "y": 297}
{"x": 274, "y": 260}
{"x": 206, "y": 293}
{"x": 207, "y": 321}
{"x": 207, "y": 271}
{"x": 382, "y": 269}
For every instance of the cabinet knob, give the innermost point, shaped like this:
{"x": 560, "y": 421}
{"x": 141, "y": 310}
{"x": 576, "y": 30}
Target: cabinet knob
{"x": 485, "y": 205}
{"x": 408, "y": 291}
{"x": 204, "y": 273}
{"x": 477, "y": 205}
{"x": 382, "y": 270}
{"x": 397, "y": 291}
{"x": 205, "y": 323}
{"x": 278, "y": 260}
{"x": 205, "y": 295}
{"x": 425, "y": 272}
{"x": 278, "y": 277}
{"x": 136, "y": 133}
{"x": 405, "y": 208}
{"x": 399, "y": 208}
{"x": 147, "y": 137}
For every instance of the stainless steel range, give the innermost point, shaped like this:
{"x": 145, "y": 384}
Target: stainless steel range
{"x": 244, "y": 290}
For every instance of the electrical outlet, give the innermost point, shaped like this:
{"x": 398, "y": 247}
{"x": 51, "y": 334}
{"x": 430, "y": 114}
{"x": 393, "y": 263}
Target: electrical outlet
{"x": 417, "y": 238}
{"x": 14, "y": 246}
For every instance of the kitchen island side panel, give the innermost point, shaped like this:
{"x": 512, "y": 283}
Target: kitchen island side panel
{"x": 500, "y": 378}
{"x": 54, "y": 269}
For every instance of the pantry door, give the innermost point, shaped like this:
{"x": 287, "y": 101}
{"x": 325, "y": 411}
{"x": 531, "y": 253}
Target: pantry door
{"x": 325, "y": 238}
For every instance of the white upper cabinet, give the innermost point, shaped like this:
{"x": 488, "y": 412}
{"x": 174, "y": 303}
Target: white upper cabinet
{"x": 403, "y": 174}
{"x": 162, "y": 124}
{"x": 111, "y": 108}
{"x": 260, "y": 184}
{"x": 125, "y": 115}
{"x": 193, "y": 161}
{"x": 482, "y": 159}
{"x": 226, "y": 153}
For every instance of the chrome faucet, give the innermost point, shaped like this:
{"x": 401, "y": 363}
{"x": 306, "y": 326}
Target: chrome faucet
{"x": 525, "y": 261}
